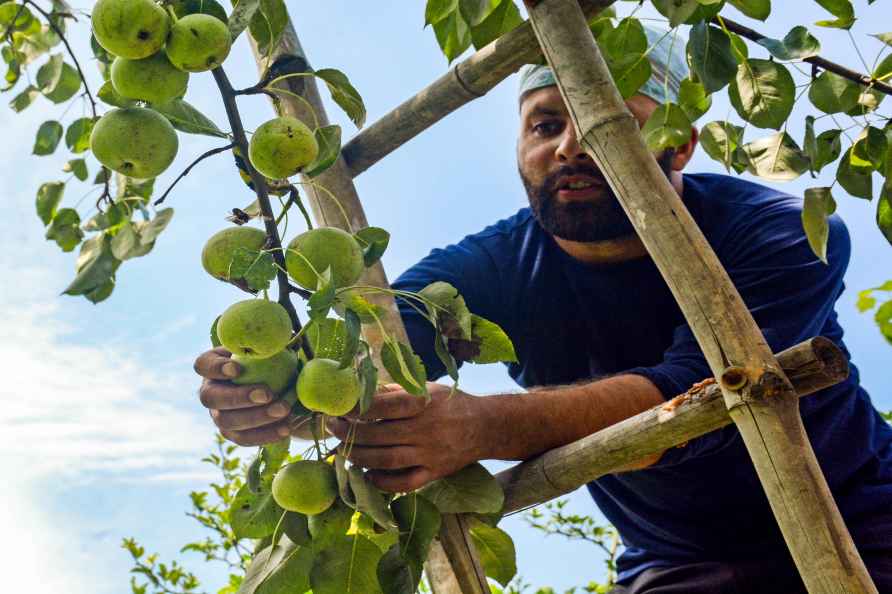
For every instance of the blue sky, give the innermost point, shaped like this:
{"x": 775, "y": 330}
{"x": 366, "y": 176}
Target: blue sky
{"x": 102, "y": 427}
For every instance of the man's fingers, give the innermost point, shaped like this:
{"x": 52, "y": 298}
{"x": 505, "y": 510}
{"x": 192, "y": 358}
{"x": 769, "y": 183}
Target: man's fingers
{"x": 396, "y": 404}
{"x": 226, "y": 396}
{"x": 250, "y": 418}
{"x": 260, "y": 435}
{"x": 378, "y": 433}
{"x": 400, "y": 481}
{"x": 388, "y": 458}
{"x": 217, "y": 365}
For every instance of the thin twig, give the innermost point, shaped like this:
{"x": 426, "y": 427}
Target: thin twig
{"x": 186, "y": 171}
{"x": 862, "y": 79}
{"x": 274, "y": 242}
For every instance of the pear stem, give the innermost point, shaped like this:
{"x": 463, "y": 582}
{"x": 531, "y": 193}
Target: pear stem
{"x": 274, "y": 242}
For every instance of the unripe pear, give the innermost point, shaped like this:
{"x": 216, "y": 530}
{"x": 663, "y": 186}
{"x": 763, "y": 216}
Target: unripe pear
{"x": 217, "y": 254}
{"x": 131, "y": 29}
{"x": 281, "y": 147}
{"x": 255, "y": 328}
{"x": 277, "y": 372}
{"x": 322, "y": 248}
{"x": 306, "y": 486}
{"x": 323, "y": 387}
{"x": 135, "y": 141}
{"x": 153, "y": 79}
{"x": 198, "y": 42}
{"x": 331, "y": 524}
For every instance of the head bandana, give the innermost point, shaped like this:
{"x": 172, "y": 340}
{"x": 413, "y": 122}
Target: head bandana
{"x": 664, "y": 64}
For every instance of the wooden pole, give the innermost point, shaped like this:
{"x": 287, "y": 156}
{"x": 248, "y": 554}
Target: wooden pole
{"x": 760, "y": 399}
{"x": 810, "y": 365}
{"x": 453, "y": 566}
{"x": 468, "y": 80}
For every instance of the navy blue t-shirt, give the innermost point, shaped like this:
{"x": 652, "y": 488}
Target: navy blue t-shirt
{"x": 570, "y": 321}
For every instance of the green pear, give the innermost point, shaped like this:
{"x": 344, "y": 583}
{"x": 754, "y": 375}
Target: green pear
{"x": 153, "y": 79}
{"x": 198, "y": 42}
{"x": 255, "y": 328}
{"x": 320, "y": 249}
{"x": 306, "y": 486}
{"x": 277, "y": 372}
{"x": 130, "y": 29}
{"x": 281, "y": 147}
{"x": 220, "y": 248}
{"x": 331, "y": 524}
{"x": 135, "y": 141}
{"x": 323, "y": 387}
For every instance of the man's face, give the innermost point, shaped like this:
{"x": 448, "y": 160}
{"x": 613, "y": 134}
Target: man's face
{"x": 568, "y": 195}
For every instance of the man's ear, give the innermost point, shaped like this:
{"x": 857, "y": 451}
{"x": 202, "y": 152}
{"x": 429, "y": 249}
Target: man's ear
{"x": 685, "y": 152}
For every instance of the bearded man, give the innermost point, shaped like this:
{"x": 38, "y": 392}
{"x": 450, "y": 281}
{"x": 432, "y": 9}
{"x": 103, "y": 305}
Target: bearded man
{"x": 599, "y": 338}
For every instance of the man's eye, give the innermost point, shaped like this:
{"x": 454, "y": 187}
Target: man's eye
{"x": 547, "y": 128}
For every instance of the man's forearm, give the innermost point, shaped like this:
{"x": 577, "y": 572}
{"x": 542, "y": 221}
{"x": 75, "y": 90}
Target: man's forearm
{"x": 523, "y": 425}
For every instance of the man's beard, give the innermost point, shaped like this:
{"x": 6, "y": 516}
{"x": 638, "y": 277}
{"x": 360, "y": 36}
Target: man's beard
{"x": 600, "y": 220}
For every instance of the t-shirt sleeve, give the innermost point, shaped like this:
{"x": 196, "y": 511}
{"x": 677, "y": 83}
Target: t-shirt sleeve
{"x": 788, "y": 290}
{"x": 466, "y": 266}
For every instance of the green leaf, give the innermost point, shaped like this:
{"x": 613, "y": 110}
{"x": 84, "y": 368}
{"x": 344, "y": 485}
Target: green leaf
{"x": 241, "y": 16}
{"x": 65, "y": 229}
{"x": 279, "y": 569}
{"x": 399, "y": 571}
{"x": 215, "y": 338}
{"x": 254, "y": 514}
{"x": 340, "y": 464}
{"x": 709, "y": 53}
{"x": 883, "y": 318}
{"x": 267, "y": 24}
{"x": 798, "y": 44}
{"x": 496, "y": 550}
{"x": 677, "y": 11}
{"x": 693, "y": 99}
{"x": 720, "y": 140}
{"x": 77, "y": 137}
{"x": 329, "y": 140}
{"x": 857, "y": 181}
{"x": 126, "y": 243}
{"x": 69, "y": 84}
{"x": 453, "y": 35}
{"x": 154, "y": 228}
{"x": 78, "y": 167}
{"x": 344, "y": 94}
{"x": 884, "y": 37}
{"x": 441, "y": 348}
{"x": 842, "y": 10}
{"x": 624, "y": 50}
{"x": 884, "y": 212}
{"x": 353, "y": 327}
{"x": 395, "y": 574}
{"x": 470, "y": 490}
{"x": 763, "y": 93}
{"x": 348, "y": 566}
{"x": 832, "y": 93}
{"x": 818, "y": 205}
{"x": 437, "y": 10}
{"x": 48, "y": 136}
{"x": 256, "y": 267}
{"x": 368, "y": 374}
{"x": 49, "y": 75}
{"x": 404, "y": 367}
{"x": 475, "y": 12}
{"x": 869, "y": 149}
{"x": 755, "y": 9}
{"x": 17, "y": 18}
{"x": 186, "y": 7}
{"x": 828, "y": 146}
{"x": 95, "y": 266}
{"x": 25, "y": 98}
{"x": 322, "y": 299}
{"x": 369, "y": 499}
{"x": 374, "y": 241}
{"x": 495, "y": 346}
{"x": 506, "y": 17}
{"x": 668, "y": 126}
{"x": 776, "y": 157}
{"x": 107, "y": 94}
{"x": 449, "y": 310}
{"x": 186, "y": 118}
{"x": 295, "y": 527}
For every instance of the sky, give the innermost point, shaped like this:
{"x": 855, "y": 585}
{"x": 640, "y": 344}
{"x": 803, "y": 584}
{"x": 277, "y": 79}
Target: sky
{"x": 102, "y": 431}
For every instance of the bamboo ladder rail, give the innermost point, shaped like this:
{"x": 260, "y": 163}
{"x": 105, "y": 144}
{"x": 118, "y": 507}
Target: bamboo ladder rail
{"x": 760, "y": 398}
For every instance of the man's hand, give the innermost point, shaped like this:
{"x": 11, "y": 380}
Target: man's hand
{"x": 247, "y": 415}
{"x": 406, "y": 443}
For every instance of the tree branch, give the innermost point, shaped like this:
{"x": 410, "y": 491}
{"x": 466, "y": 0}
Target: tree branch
{"x": 862, "y": 79}
{"x": 186, "y": 171}
{"x": 240, "y": 140}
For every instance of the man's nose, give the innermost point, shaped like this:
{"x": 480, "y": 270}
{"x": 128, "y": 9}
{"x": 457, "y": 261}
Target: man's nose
{"x": 569, "y": 150}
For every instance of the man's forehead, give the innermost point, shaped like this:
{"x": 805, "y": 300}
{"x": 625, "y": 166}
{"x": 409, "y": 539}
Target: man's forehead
{"x": 544, "y": 101}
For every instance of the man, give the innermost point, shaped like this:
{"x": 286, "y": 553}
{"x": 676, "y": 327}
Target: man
{"x": 599, "y": 335}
